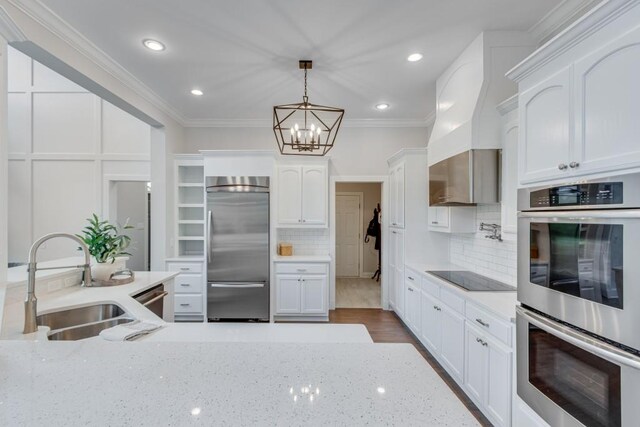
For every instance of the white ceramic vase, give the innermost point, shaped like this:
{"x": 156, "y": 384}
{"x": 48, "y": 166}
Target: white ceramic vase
{"x": 103, "y": 270}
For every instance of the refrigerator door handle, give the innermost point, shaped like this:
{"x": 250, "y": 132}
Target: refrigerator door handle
{"x": 237, "y": 285}
{"x": 209, "y": 230}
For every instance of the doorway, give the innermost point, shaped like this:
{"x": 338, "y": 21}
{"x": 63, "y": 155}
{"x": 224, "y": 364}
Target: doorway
{"x": 130, "y": 203}
{"x": 357, "y": 254}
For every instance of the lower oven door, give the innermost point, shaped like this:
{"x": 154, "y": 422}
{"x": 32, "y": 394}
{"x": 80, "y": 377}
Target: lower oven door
{"x": 572, "y": 379}
{"x": 582, "y": 267}
{"x": 238, "y": 301}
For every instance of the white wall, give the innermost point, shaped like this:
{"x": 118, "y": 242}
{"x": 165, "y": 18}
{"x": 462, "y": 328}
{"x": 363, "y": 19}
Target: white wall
{"x": 372, "y": 195}
{"x": 63, "y": 142}
{"x": 4, "y": 175}
{"x": 357, "y": 151}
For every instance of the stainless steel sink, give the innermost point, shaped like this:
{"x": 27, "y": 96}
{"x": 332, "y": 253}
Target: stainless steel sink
{"x": 82, "y": 322}
{"x": 86, "y": 331}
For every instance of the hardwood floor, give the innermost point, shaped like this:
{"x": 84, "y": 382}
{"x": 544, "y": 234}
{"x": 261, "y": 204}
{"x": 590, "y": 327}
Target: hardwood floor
{"x": 386, "y": 327}
{"x": 357, "y": 293}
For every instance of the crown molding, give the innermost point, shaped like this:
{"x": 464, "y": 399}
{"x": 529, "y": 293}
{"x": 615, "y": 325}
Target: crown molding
{"x": 8, "y": 29}
{"x": 346, "y": 123}
{"x": 508, "y": 105}
{"x": 560, "y": 17}
{"x": 592, "y": 21}
{"x": 60, "y": 28}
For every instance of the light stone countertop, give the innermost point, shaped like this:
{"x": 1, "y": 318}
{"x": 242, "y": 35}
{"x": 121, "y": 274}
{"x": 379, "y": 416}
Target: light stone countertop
{"x": 502, "y": 304}
{"x": 236, "y": 384}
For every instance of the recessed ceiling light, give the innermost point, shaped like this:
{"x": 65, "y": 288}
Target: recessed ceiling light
{"x": 382, "y": 106}
{"x": 154, "y": 45}
{"x": 197, "y": 92}
{"x": 414, "y": 57}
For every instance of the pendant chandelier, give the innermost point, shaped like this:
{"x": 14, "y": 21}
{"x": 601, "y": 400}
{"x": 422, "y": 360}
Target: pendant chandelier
{"x": 305, "y": 128}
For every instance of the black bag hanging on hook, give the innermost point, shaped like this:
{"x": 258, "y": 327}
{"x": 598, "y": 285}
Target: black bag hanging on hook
{"x": 373, "y": 229}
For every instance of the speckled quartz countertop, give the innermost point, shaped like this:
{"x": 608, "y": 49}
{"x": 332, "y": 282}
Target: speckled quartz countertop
{"x": 235, "y": 384}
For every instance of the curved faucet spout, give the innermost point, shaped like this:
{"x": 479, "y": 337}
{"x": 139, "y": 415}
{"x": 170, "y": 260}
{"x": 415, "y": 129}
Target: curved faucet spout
{"x": 30, "y": 303}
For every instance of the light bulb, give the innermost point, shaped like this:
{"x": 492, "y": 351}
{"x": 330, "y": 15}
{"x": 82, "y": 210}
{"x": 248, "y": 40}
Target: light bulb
{"x": 318, "y": 131}
{"x": 313, "y": 127}
{"x": 298, "y": 134}
{"x": 296, "y": 126}
{"x": 292, "y": 131}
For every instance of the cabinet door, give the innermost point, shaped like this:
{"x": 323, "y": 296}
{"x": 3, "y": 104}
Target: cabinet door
{"x": 288, "y": 294}
{"x": 607, "y": 107}
{"x": 431, "y": 322}
{"x": 399, "y": 279}
{"x": 546, "y": 129}
{"x": 476, "y": 365}
{"x": 452, "y": 342}
{"x": 289, "y": 194}
{"x": 314, "y": 195}
{"x": 412, "y": 307}
{"x": 438, "y": 217}
{"x": 314, "y": 294}
{"x": 498, "y": 398}
{"x": 393, "y": 198}
{"x": 391, "y": 275}
{"x": 399, "y": 185}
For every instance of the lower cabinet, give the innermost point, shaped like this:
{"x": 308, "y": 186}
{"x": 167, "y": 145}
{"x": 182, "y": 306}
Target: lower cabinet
{"x": 412, "y": 306}
{"x": 302, "y": 290}
{"x": 189, "y": 288}
{"x": 488, "y": 375}
{"x": 431, "y": 330}
{"x": 452, "y": 344}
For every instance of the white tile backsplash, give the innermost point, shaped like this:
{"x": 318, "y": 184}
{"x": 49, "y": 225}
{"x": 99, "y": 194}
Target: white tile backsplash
{"x": 490, "y": 258}
{"x": 313, "y": 241}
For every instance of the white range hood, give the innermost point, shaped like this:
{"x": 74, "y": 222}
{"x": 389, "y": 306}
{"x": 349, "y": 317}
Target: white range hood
{"x": 469, "y": 90}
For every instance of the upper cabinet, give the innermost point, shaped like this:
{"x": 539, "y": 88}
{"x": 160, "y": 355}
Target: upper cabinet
{"x": 302, "y": 195}
{"x": 396, "y": 195}
{"x": 546, "y": 128}
{"x": 579, "y": 109}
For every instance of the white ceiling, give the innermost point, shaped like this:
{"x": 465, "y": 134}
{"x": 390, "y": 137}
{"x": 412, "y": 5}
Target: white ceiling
{"x": 243, "y": 54}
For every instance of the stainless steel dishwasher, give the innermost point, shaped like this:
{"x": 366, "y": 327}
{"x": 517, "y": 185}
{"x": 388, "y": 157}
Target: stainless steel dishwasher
{"x": 153, "y": 299}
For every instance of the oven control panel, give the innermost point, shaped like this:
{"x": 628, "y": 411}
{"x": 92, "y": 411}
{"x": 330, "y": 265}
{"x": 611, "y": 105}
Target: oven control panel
{"x": 592, "y": 194}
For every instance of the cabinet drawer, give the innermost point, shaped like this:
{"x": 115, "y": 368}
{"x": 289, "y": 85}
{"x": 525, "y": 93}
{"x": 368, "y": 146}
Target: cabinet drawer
{"x": 501, "y": 329}
{"x": 294, "y": 268}
{"x": 452, "y": 300}
{"x": 430, "y": 287}
{"x": 412, "y": 277}
{"x": 185, "y": 267}
{"x": 188, "y": 284}
{"x": 188, "y": 303}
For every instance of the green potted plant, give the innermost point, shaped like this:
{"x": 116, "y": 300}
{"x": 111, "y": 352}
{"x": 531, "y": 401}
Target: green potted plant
{"x": 107, "y": 246}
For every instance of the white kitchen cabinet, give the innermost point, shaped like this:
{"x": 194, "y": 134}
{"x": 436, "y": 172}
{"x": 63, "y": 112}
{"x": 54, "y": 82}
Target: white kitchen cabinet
{"x": 431, "y": 330}
{"x": 546, "y": 128}
{"x": 397, "y": 195}
{"x": 452, "y": 342}
{"x": 392, "y": 251}
{"x": 509, "y": 202}
{"x": 446, "y": 219}
{"x": 397, "y": 245}
{"x": 488, "y": 375}
{"x": 288, "y": 294}
{"x": 608, "y": 106}
{"x": 302, "y": 291}
{"x": 189, "y": 288}
{"x": 302, "y": 195}
{"x": 412, "y": 306}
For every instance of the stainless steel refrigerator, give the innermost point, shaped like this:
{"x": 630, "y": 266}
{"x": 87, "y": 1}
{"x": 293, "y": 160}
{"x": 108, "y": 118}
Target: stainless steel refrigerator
{"x": 237, "y": 248}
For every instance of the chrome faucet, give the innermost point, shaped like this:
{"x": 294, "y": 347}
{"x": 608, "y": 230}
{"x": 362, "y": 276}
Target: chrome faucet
{"x": 30, "y": 304}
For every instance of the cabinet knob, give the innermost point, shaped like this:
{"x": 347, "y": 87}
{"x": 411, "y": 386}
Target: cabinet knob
{"x": 574, "y": 165}
{"x": 562, "y": 166}
{"x": 304, "y": 220}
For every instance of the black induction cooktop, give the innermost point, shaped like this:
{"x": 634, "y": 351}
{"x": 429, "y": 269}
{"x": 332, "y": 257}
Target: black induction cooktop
{"x": 472, "y": 281}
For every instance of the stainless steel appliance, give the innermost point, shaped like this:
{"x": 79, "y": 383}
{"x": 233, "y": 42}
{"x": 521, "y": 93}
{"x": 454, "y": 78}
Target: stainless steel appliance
{"x": 578, "y": 361}
{"x": 238, "y": 248}
{"x": 153, "y": 299}
{"x": 578, "y": 255}
{"x": 468, "y": 178}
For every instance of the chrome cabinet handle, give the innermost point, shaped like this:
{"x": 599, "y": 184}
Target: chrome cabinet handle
{"x": 437, "y": 308}
{"x": 434, "y": 222}
{"x": 185, "y": 304}
{"x": 562, "y": 166}
{"x": 410, "y": 278}
{"x": 486, "y": 325}
{"x": 184, "y": 269}
{"x": 410, "y": 289}
{"x": 159, "y": 297}
{"x": 574, "y": 165}
{"x": 484, "y": 343}
{"x": 184, "y": 284}
{"x": 301, "y": 269}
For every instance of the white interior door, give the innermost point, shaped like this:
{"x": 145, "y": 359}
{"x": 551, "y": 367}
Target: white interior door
{"x": 348, "y": 235}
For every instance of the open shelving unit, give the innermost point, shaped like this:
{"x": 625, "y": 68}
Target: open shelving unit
{"x": 190, "y": 207}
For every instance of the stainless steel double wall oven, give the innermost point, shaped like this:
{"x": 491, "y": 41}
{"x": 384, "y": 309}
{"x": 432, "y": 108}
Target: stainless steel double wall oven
{"x": 578, "y": 330}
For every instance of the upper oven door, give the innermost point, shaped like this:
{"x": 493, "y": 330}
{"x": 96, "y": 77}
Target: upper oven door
{"x": 583, "y": 267}
{"x": 571, "y": 379}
